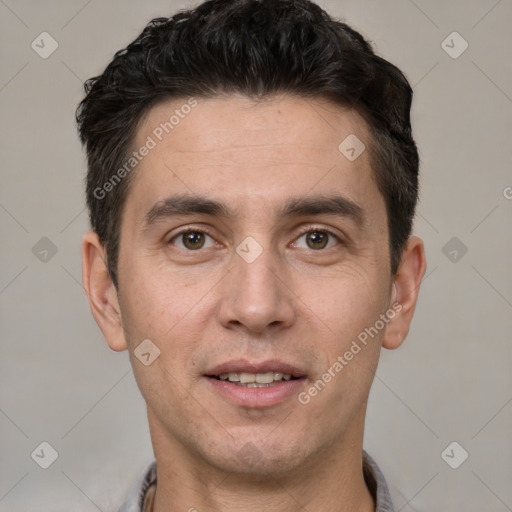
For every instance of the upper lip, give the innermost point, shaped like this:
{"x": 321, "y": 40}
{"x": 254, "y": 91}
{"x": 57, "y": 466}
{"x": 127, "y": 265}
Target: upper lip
{"x": 243, "y": 365}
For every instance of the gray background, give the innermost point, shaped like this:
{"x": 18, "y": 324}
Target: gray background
{"x": 450, "y": 381}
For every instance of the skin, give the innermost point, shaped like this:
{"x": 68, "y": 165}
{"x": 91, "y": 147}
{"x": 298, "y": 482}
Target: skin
{"x": 299, "y": 302}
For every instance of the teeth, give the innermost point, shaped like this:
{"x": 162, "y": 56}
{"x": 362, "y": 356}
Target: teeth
{"x": 265, "y": 378}
{"x": 246, "y": 378}
{"x": 254, "y": 380}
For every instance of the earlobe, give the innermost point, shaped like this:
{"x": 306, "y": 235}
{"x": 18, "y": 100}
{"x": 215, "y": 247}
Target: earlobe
{"x": 101, "y": 291}
{"x": 404, "y": 292}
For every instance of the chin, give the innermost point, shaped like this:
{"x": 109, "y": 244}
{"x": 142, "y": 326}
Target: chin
{"x": 260, "y": 459}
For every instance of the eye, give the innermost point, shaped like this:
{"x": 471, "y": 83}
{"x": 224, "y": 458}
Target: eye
{"x": 317, "y": 239}
{"x": 191, "y": 240}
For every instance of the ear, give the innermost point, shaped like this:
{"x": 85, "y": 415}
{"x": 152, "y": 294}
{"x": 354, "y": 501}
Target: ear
{"x": 404, "y": 292}
{"x": 101, "y": 291}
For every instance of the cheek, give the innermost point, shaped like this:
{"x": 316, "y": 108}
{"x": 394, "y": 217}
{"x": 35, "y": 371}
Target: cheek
{"x": 345, "y": 302}
{"x": 352, "y": 307}
{"x": 172, "y": 311}
{"x": 155, "y": 303}
{"x": 165, "y": 311}
{"x": 349, "y": 350}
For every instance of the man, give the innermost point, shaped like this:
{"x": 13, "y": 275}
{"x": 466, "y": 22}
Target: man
{"x": 252, "y": 181}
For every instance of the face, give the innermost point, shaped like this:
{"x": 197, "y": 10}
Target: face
{"x": 253, "y": 249}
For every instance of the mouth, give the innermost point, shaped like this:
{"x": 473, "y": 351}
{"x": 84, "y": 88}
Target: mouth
{"x": 254, "y": 380}
{"x": 255, "y": 384}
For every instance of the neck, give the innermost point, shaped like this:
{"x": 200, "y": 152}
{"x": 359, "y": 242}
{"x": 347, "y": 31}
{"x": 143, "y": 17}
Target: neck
{"x": 332, "y": 482}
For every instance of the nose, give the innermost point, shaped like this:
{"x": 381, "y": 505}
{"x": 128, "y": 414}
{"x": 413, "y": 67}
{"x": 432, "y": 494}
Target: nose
{"x": 255, "y": 296}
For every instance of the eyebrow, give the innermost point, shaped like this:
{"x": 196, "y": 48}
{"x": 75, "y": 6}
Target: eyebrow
{"x": 185, "y": 204}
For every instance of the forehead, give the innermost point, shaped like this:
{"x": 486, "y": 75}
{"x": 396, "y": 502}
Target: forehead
{"x": 235, "y": 148}
{"x": 228, "y": 123}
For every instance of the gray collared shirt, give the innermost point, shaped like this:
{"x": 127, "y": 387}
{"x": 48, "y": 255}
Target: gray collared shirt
{"x": 372, "y": 474}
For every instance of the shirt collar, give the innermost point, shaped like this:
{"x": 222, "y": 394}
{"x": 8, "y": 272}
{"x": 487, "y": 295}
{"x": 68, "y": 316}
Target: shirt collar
{"x": 377, "y": 485}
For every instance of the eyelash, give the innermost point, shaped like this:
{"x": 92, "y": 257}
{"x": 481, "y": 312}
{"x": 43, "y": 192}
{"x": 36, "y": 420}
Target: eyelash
{"x": 302, "y": 233}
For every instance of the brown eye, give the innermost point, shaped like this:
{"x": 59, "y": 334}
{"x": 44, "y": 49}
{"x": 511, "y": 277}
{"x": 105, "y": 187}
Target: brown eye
{"x": 191, "y": 240}
{"x": 317, "y": 240}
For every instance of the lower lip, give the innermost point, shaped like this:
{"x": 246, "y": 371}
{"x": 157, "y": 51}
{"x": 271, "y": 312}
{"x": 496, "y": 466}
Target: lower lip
{"x": 256, "y": 397}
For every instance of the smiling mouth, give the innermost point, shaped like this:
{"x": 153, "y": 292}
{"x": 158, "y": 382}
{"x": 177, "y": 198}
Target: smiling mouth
{"x": 254, "y": 380}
